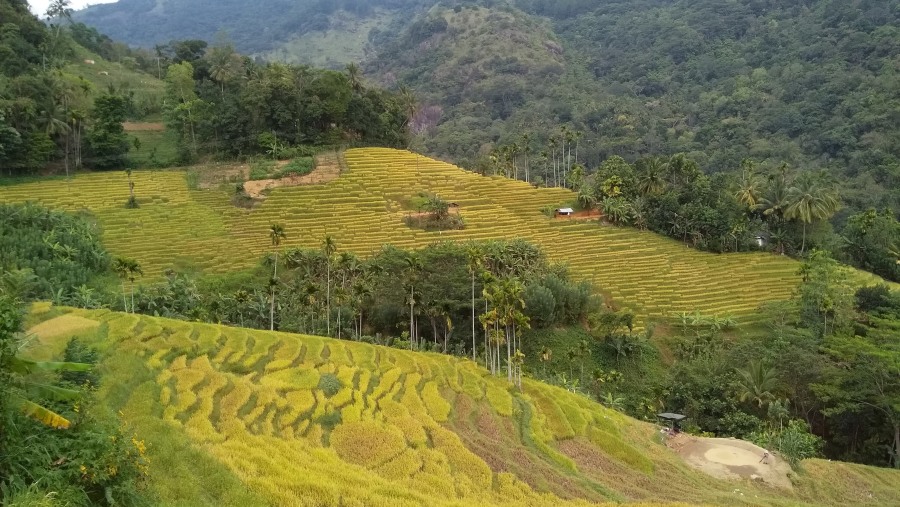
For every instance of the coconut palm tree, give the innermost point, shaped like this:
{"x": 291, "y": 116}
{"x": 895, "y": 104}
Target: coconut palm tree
{"x": 757, "y": 383}
{"x": 651, "y": 179}
{"x": 526, "y": 150}
{"x": 810, "y": 201}
{"x": 748, "y": 187}
{"x": 775, "y": 198}
{"x": 475, "y": 261}
{"x": 329, "y": 247}
{"x": 241, "y": 298}
{"x": 276, "y": 234}
{"x": 127, "y": 269}
{"x": 545, "y": 357}
{"x": 414, "y": 267}
{"x": 348, "y": 264}
{"x": 354, "y": 75}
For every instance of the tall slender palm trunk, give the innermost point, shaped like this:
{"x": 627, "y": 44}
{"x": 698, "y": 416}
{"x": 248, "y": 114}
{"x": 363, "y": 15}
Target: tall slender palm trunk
{"x": 473, "y": 315}
{"x": 272, "y": 299}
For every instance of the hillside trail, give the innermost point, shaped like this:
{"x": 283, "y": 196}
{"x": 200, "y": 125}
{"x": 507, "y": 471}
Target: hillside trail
{"x": 729, "y": 458}
{"x": 328, "y": 168}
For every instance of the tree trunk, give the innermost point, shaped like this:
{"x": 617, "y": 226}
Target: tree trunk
{"x": 508, "y": 357}
{"x": 803, "y": 248}
{"x": 328, "y": 295}
{"x": 434, "y": 329}
{"x": 124, "y": 297}
{"x": 897, "y": 445}
{"x": 473, "y": 315}
{"x": 272, "y": 300}
{"x": 132, "y": 297}
{"x": 412, "y": 332}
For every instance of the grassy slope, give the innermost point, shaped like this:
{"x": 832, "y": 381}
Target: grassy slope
{"x": 362, "y": 210}
{"x": 143, "y": 85}
{"x": 344, "y": 42}
{"x": 236, "y": 417}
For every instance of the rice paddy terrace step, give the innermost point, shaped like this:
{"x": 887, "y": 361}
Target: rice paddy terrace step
{"x": 656, "y": 276}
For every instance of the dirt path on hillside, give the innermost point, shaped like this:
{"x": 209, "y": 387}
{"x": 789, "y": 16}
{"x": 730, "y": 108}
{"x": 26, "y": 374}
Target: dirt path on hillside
{"x": 729, "y": 458}
{"x": 133, "y": 126}
{"x": 327, "y": 168}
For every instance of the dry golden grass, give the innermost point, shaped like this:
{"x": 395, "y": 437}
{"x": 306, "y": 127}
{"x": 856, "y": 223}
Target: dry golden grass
{"x": 420, "y": 437}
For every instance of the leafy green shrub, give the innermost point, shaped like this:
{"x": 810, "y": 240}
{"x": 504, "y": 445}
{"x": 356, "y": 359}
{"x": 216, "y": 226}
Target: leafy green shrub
{"x": 77, "y": 352}
{"x": 329, "y": 384}
{"x": 262, "y": 169}
{"x": 794, "y": 442}
{"x": 57, "y": 249}
{"x": 297, "y": 167}
{"x": 193, "y": 179}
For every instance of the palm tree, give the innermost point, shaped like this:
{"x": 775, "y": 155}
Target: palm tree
{"x": 127, "y": 269}
{"x": 475, "y": 261}
{"x": 774, "y": 199}
{"x": 132, "y": 201}
{"x": 651, "y": 176}
{"x": 584, "y": 350}
{"x": 354, "y": 75}
{"x": 577, "y": 136}
{"x": 757, "y": 383}
{"x": 810, "y": 201}
{"x": 413, "y": 268}
{"x": 553, "y": 144}
{"x": 347, "y": 264}
{"x": 329, "y": 247}
{"x": 276, "y": 234}
{"x": 241, "y": 298}
{"x": 526, "y": 150}
{"x": 748, "y": 189}
{"x": 545, "y": 357}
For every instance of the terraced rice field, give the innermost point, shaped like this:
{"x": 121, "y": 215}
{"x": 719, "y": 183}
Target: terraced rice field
{"x": 302, "y": 420}
{"x": 655, "y": 276}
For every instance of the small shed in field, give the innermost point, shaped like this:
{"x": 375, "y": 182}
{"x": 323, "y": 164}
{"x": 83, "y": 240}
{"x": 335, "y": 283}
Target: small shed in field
{"x": 671, "y": 420}
{"x": 565, "y": 212}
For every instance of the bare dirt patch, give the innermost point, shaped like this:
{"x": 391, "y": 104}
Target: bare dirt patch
{"x": 133, "y": 126}
{"x": 581, "y": 215}
{"x": 729, "y": 458}
{"x": 327, "y": 168}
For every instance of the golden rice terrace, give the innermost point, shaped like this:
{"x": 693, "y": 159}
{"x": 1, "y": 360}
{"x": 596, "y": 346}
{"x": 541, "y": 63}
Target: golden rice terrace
{"x": 362, "y": 209}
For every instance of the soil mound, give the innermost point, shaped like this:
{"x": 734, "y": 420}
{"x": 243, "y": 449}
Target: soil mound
{"x": 327, "y": 168}
{"x": 729, "y": 458}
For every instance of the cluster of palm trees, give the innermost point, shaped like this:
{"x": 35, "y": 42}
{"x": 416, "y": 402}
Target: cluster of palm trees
{"x": 557, "y": 159}
{"x": 127, "y": 269}
{"x": 504, "y": 316}
{"x": 783, "y": 197}
{"x": 348, "y": 283}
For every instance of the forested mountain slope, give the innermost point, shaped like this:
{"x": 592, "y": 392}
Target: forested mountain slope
{"x": 254, "y": 27}
{"x": 813, "y": 84}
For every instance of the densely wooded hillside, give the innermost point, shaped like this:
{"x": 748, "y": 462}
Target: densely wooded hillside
{"x": 811, "y": 84}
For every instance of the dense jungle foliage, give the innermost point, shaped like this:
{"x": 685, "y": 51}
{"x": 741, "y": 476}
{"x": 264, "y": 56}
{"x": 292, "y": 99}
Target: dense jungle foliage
{"x": 57, "y": 446}
{"x": 47, "y": 254}
{"x": 216, "y": 101}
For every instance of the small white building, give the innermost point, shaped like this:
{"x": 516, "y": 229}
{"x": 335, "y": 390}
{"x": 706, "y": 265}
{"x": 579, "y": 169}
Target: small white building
{"x": 565, "y": 212}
